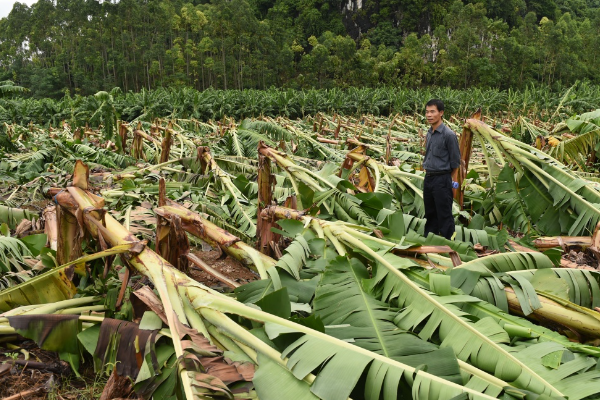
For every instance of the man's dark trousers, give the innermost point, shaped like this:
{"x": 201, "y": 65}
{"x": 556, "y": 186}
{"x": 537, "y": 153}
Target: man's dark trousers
{"x": 437, "y": 196}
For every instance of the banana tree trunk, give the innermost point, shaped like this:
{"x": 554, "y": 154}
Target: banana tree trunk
{"x": 554, "y": 314}
{"x": 137, "y": 146}
{"x": 266, "y": 183}
{"x": 51, "y": 226}
{"x": 122, "y": 142}
{"x": 171, "y": 241}
{"x": 193, "y": 223}
{"x": 466, "y": 147}
{"x": 103, "y": 227}
{"x": 166, "y": 144}
{"x": 278, "y": 212}
{"x": 149, "y": 138}
{"x": 69, "y": 237}
{"x": 563, "y": 241}
{"x": 328, "y": 141}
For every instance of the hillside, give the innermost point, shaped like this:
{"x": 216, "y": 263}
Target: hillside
{"x": 84, "y": 46}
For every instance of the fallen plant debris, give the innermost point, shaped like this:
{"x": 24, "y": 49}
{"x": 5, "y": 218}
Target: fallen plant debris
{"x": 277, "y": 259}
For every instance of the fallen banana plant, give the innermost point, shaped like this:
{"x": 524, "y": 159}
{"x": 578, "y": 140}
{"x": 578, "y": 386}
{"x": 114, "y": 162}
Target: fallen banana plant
{"x": 13, "y": 216}
{"x": 555, "y": 198}
{"x": 54, "y": 285}
{"x": 187, "y": 302}
{"x": 395, "y": 285}
{"x": 233, "y": 197}
{"x": 322, "y": 188}
{"x": 195, "y": 224}
{"x": 408, "y": 186}
{"x": 354, "y": 304}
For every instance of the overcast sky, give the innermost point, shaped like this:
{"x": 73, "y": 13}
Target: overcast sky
{"x": 7, "y": 5}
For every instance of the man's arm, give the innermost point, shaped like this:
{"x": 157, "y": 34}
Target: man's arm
{"x": 454, "y": 154}
{"x": 455, "y": 175}
{"x": 453, "y": 151}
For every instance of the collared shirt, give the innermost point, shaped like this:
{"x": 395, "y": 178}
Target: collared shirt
{"x": 441, "y": 150}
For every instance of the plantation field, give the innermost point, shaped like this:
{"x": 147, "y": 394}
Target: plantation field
{"x": 535, "y": 102}
{"x": 272, "y": 255}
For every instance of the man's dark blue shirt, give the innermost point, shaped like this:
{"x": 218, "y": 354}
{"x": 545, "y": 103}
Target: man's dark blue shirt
{"x": 442, "y": 152}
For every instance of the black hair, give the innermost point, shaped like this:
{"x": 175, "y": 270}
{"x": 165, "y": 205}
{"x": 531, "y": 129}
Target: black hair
{"x": 437, "y": 103}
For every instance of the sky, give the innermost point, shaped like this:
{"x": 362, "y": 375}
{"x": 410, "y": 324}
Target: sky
{"x": 7, "y": 5}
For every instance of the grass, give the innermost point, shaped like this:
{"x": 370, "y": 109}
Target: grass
{"x": 86, "y": 388}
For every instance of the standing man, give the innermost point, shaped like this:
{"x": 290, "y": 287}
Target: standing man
{"x": 442, "y": 158}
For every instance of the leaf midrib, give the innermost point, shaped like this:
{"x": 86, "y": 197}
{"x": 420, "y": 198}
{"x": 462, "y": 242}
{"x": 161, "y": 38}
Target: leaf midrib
{"x": 403, "y": 278}
{"x": 369, "y": 311}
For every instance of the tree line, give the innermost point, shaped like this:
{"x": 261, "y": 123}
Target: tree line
{"x": 84, "y": 46}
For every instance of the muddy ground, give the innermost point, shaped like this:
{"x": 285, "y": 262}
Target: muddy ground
{"x": 50, "y": 378}
{"x": 227, "y": 266}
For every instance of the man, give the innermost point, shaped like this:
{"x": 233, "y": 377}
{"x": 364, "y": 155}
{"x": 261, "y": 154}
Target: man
{"x": 442, "y": 158}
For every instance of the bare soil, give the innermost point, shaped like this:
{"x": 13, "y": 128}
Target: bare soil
{"x": 226, "y": 265}
{"x": 64, "y": 384}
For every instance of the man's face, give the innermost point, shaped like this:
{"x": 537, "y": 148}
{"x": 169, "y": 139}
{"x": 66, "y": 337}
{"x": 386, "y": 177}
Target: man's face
{"x": 433, "y": 115}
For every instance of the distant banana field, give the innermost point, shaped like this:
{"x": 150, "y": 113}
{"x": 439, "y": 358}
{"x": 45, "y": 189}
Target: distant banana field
{"x": 536, "y": 102}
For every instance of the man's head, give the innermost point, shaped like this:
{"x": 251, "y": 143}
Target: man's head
{"x": 434, "y": 111}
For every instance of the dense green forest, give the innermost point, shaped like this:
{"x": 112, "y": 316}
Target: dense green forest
{"x": 84, "y": 46}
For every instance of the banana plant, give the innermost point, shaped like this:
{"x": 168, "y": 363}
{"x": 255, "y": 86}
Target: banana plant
{"x": 560, "y": 200}
{"x": 392, "y": 286}
{"x": 8, "y": 88}
{"x": 191, "y": 309}
{"x": 232, "y": 199}
{"x": 579, "y": 143}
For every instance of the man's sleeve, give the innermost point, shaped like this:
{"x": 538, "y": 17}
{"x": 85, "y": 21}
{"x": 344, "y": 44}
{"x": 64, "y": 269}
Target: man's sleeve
{"x": 453, "y": 150}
